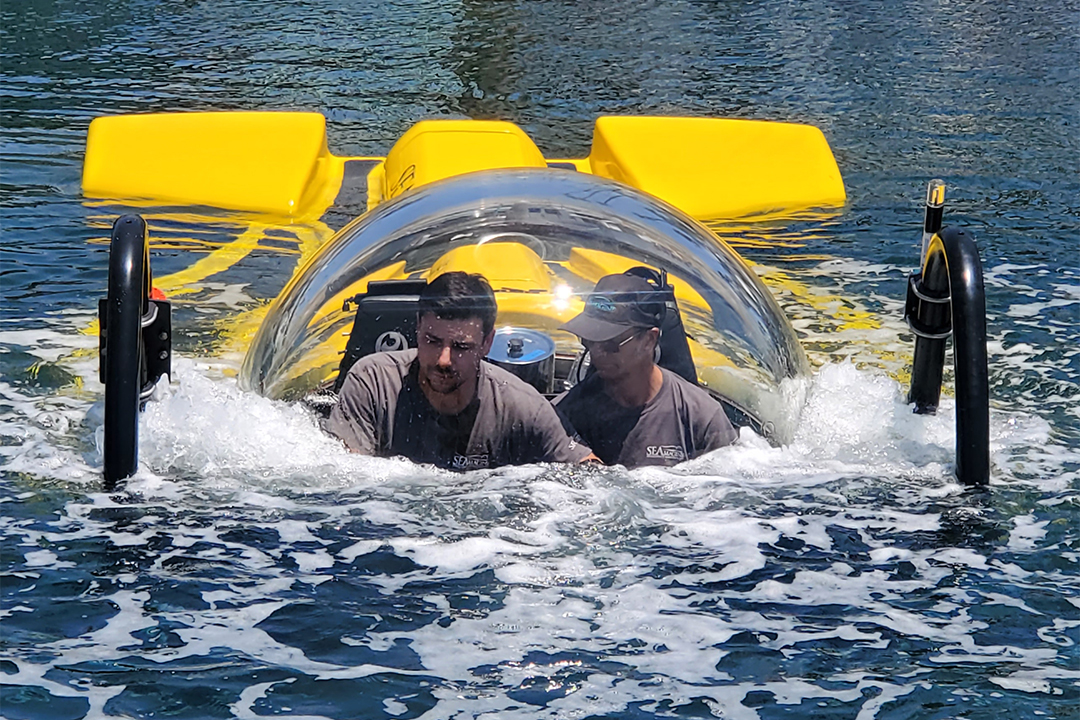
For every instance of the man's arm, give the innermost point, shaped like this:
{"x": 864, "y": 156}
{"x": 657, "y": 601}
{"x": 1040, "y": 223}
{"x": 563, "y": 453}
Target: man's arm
{"x": 717, "y": 430}
{"x": 557, "y": 439}
{"x": 568, "y": 426}
{"x": 354, "y": 418}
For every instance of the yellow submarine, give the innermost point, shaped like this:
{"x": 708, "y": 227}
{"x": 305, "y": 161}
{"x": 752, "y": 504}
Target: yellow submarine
{"x": 472, "y": 195}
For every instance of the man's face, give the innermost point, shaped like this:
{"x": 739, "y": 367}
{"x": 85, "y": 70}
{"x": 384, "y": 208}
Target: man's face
{"x": 630, "y": 354}
{"x": 450, "y": 353}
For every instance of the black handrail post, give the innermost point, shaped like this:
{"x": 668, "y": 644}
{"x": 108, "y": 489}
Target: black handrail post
{"x": 969, "y": 356}
{"x": 948, "y": 297}
{"x": 122, "y": 373}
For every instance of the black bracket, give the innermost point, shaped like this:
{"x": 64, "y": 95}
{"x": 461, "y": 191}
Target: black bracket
{"x": 157, "y": 343}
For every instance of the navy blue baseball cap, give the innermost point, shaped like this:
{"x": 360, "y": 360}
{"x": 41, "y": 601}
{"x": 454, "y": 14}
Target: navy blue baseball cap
{"x": 617, "y": 303}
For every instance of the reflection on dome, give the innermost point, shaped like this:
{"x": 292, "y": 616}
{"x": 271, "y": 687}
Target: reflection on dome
{"x": 542, "y": 238}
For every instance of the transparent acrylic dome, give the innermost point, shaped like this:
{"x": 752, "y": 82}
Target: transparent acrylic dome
{"x": 542, "y": 238}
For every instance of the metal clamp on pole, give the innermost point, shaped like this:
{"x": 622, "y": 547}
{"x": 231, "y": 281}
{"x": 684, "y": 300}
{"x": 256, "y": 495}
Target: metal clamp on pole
{"x": 917, "y": 297}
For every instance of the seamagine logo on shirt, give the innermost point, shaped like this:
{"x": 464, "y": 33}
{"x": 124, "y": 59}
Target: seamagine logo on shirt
{"x": 471, "y": 462}
{"x": 666, "y": 452}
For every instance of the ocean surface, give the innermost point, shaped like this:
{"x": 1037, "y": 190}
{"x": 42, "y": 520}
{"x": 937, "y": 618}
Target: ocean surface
{"x": 252, "y": 568}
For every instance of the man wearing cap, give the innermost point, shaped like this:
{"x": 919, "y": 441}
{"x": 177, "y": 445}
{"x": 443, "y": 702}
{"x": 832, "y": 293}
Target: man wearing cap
{"x": 440, "y": 403}
{"x": 630, "y": 411}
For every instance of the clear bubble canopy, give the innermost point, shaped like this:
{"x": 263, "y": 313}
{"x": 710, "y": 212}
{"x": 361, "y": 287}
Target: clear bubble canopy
{"x": 542, "y": 238}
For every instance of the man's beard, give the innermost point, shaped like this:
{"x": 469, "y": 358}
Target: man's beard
{"x": 608, "y": 370}
{"x": 443, "y": 382}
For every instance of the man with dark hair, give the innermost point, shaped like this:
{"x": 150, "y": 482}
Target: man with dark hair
{"x": 630, "y": 411}
{"x": 460, "y": 296}
{"x": 440, "y": 403}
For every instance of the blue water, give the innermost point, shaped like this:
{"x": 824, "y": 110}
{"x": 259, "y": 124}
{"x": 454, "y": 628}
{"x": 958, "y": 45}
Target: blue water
{"x": 252, "y": 568}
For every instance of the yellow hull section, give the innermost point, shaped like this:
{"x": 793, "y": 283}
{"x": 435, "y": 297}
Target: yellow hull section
{"x": 278, "y": 163}
{"x": 274, "y": 163}
{"x": 276, "y": 169}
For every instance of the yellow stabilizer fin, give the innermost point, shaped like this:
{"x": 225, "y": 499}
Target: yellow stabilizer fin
{"x": 713, "y": 168}
{"x": 265, "y": 162}
{"x": 435, "y": 149}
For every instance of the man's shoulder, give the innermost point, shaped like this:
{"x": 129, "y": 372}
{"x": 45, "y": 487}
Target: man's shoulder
{"x": 688, "y": 392}
{"x": 386, "y": 362}
{"x": 381, "y": 373}
{"x": 509, "y": 387}
{"x": 697, "y": 406}
{"x": 588, "y": 391}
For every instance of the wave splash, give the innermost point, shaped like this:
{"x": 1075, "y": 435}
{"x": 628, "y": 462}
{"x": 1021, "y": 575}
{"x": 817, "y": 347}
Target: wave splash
{"x": 254, "y": 554}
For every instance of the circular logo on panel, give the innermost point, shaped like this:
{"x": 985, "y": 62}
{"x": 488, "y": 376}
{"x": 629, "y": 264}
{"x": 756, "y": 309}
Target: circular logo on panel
{"x": 390, "y": 341}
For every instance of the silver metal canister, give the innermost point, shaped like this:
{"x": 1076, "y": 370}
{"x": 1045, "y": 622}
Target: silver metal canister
{"x": 529, "y": 354}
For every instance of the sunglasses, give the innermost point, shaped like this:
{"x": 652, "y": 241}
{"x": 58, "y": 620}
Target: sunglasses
{"x": 609, "y": 347}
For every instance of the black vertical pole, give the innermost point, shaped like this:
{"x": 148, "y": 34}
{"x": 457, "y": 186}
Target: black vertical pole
{"x": 930, "y": 294}
{"x": 931, "y": 310}
{"x": 123, "y": 313}
{"x": 934, "y": 211}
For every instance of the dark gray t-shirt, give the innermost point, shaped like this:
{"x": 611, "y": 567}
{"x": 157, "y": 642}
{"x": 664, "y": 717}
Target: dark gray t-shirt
{"x": 681, "y": 422}
{"x": 381, "y": 410}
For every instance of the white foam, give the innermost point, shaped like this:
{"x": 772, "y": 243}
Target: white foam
{"x": 45, "y": 558}
{"x": 1026, "y": 532}
{"x": 205, "y": 426}
{"x": 653, "y": 569}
